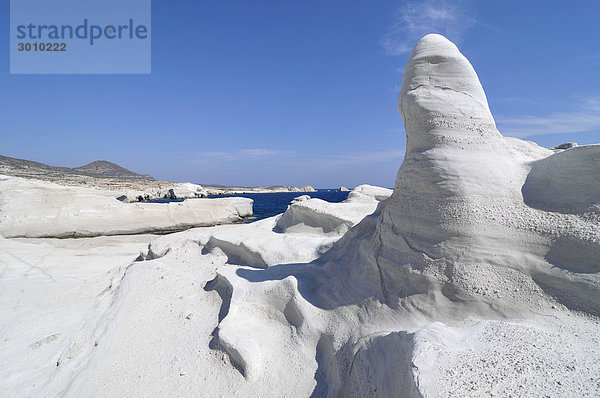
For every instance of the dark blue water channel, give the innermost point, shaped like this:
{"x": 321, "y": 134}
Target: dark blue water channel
{"x": 270, "y": 204}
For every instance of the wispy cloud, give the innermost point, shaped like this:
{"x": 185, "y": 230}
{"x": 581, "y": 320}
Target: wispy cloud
{"x": 295, "y": 159}
{"x": 213, "y": 156}
{"x": 227, "y": 156}
{"x": 261, "y": 152}
{"x": 593, "y": 58}
{"x": 584, "y": 117}
{"x": 359, "y": 159}
{"x": 297, "y": 167}
{"x": 418, "y": 18}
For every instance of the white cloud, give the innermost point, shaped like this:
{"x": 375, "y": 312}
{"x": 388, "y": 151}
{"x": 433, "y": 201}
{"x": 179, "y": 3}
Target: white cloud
{"x": 418, "y": 18}
{"x": 593, "y": 58}
{"x": 224, "y": 156}
{"x": 585, "y": 117}
{"x": 349, "y": 160}
{"x": 294, "y": 159}
{"x": 365, "y": 158}
{"x": 261, "y": 152}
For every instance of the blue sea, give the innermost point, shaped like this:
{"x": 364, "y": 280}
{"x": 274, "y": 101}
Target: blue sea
{"x": 270, "y": 204}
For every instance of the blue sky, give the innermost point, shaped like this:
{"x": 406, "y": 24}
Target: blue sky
{"x": 303, "y": 92}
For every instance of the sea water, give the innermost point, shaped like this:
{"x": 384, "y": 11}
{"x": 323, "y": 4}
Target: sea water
{"x": 270, "y": 204}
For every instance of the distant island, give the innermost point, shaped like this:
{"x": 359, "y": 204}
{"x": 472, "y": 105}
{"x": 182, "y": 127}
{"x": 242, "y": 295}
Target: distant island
{"x": 225, "y": 190}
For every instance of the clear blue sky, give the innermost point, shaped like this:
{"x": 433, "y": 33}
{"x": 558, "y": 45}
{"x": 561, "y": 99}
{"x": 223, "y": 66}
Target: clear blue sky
{"x": 303, "y": 92}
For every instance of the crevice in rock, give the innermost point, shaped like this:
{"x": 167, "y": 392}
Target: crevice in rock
{"x": 384, "y": 290}
{"x": 224, "y": 289}
{"x": 237, "y": 254}
{"x": 327, "y": 375}
{"x": 293, "y": 314}
{"x": 382, "y": 366}
{"x": 235, "y": 358}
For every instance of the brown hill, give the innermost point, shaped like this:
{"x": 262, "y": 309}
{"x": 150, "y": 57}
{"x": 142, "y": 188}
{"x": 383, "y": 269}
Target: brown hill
{"x": 98, "y": 168}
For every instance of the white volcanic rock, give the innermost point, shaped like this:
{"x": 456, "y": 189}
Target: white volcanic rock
{"x": 469, "y": 280}
{"x": 457, "y": 219}
{"x": 378, "y": 193}
{"x": 83, "y": 328}
{"x": 344, "y": 189}
{"x": 32, "y": 208}
{"x": 55, "y": 307}
{"x": 313, "y": 215}
{"x": 307, "y": 188}
{"x": 566, "y": 145}
{"x": 542, "y": 356}
{"x": 566, "y": 181}
{"x": 455, "y": 243}
{"x": 188, "y": 190}
{"x": 178, "y": 190}
{"x": 306, "y": 230}
{"x": 222, "y": 190}
{"x": 319, "y": 216}
{"x": 255, "y": 244}
{"x": 300, "y": 198}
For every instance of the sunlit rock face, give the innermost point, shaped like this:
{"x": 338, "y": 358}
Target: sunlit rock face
{"x": 472, "y": 210}
{"x": 32, "y": 208}
{"x": 455, "y": 155}
{"x": 468, "y": 234}
{"x": 477, "y": 229}
{"x": 441, "y": 95}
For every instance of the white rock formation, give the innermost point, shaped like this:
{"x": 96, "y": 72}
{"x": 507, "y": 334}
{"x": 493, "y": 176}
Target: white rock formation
{"x": 313, "y": 215}
{"x": 88, "y": 292}
{"x": 306, "y": 230}
{"x": 344, "y": 189}
{"x": 566, "y": 145}
{"x": 187, "y": 190}
{"x": 566, "y": 181}
{"x": 300, "y": 198}
{"x": 459, "y": 221}
{"x": 456, "y": 243}
{"x": 370, "y": 191}
{"x": 58, "y": 298}
{"x": 177, "y": 190}
{"x": 33, "y": 208}
{"x": 476, "y": 277}
{"x": 223, "y": 190}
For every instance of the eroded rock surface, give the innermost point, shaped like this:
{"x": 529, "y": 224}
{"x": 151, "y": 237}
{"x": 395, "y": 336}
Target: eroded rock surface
{"x": 35, "y": 209}
{"x": 478, "y": 276}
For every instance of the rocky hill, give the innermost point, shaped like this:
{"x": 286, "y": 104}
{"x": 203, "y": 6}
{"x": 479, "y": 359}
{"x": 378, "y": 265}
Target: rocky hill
{"x": 103, "y": 168}
{"x": 98, "y": 168}
{"x": 107, "y": 175}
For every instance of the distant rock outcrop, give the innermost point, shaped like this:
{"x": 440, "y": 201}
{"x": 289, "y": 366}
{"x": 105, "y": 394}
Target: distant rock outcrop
{"x": 232, "y": 190}
{"x": 49, "y": 210}
{"x": 370, "y": 191}
{"x": 173, "y": 191}
{"x": 566, "y": 145}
